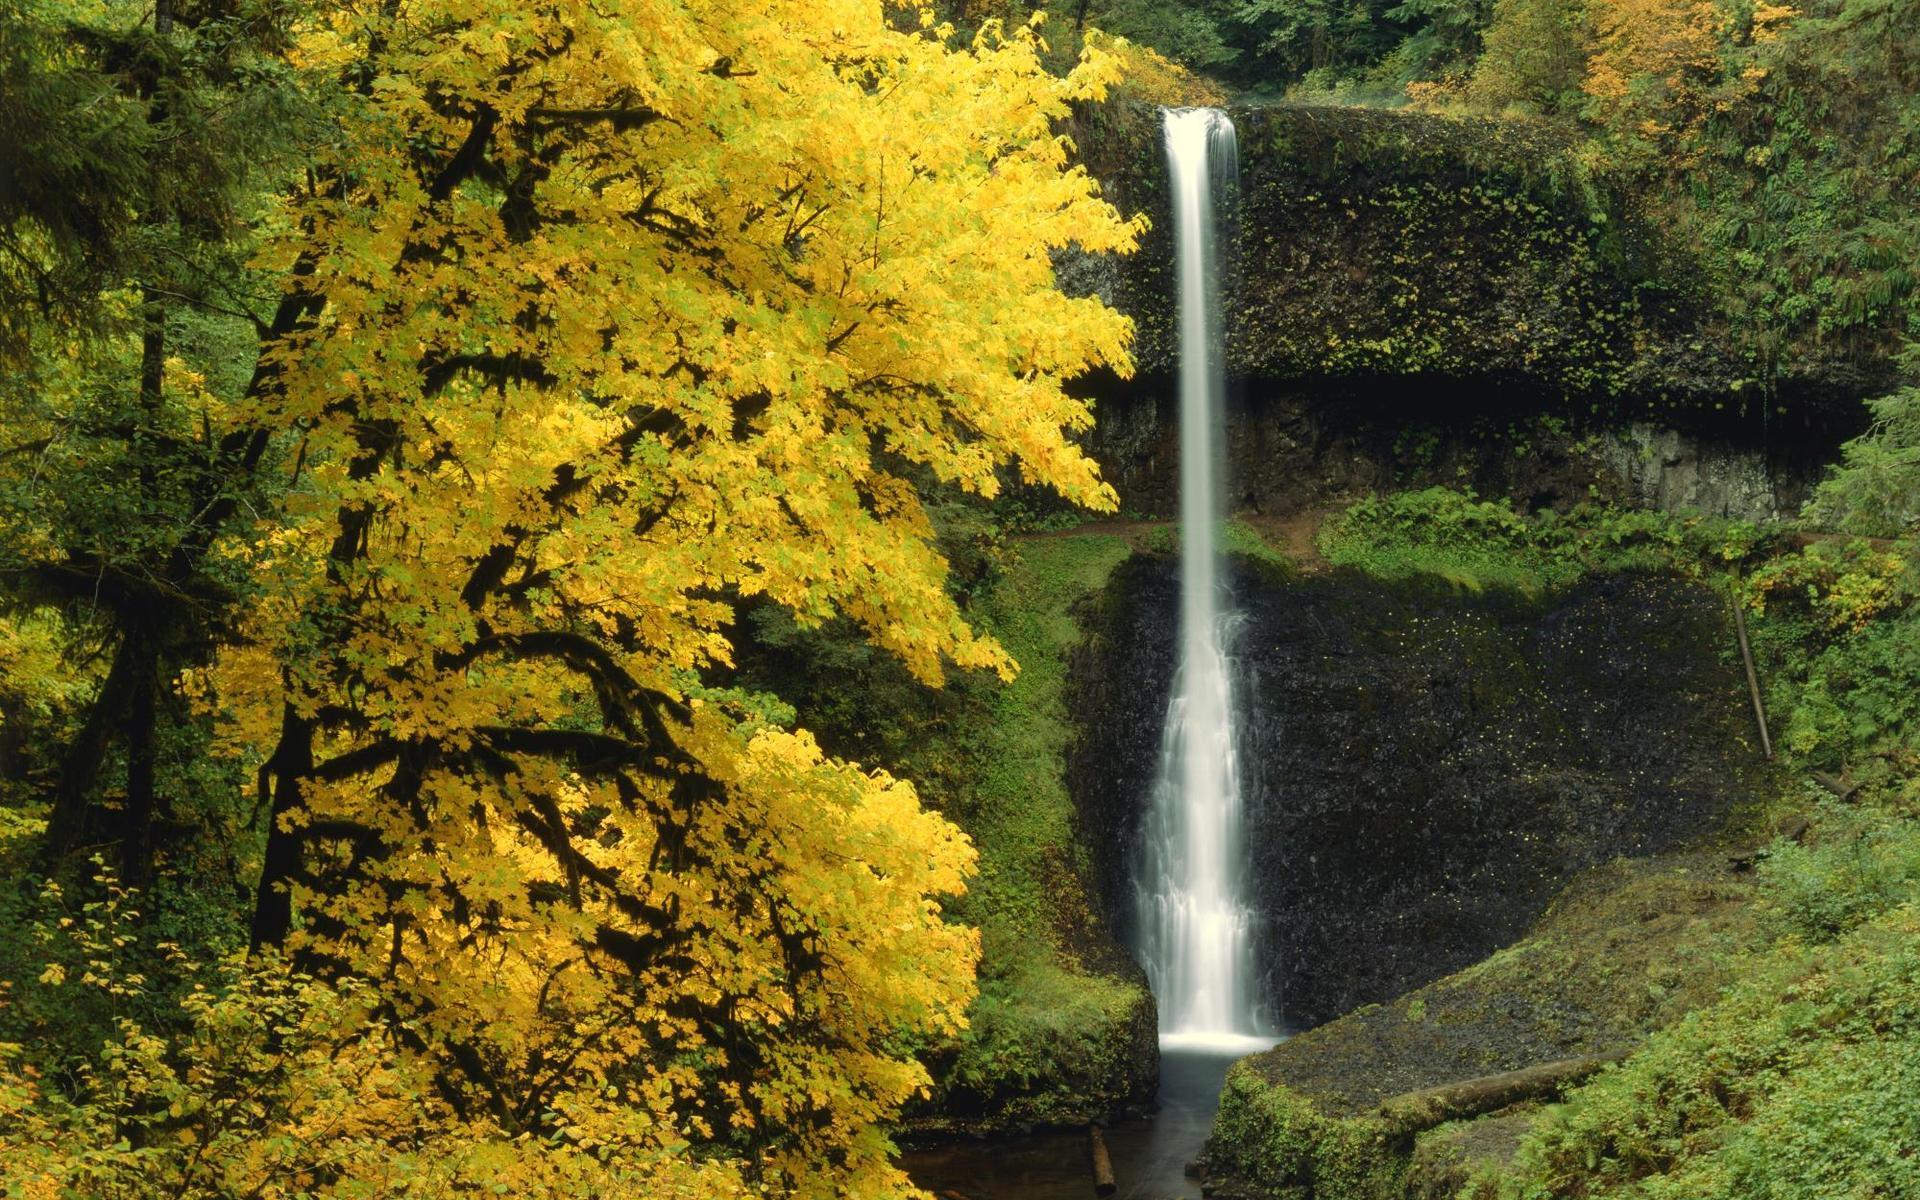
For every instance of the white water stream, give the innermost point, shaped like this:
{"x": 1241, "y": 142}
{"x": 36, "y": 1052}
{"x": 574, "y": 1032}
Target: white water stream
{"x": 1196, "y": 929}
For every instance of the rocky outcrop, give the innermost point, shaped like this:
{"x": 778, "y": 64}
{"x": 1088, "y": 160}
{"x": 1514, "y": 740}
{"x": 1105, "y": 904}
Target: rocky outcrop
{"x": 1626, "y": 949}
{"x": 1291, "y": 448}
{"x": 1415, "y": 298}
{"x": 1425, "y": 768}
{"x": 1373, "y": 243}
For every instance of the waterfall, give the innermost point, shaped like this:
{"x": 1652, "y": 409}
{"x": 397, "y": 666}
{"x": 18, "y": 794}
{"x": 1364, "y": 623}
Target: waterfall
{"x": 1195, "y": 928}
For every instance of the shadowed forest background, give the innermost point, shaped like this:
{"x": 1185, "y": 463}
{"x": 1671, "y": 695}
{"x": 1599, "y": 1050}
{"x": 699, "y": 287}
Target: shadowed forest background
{"x": 560, "y": 563}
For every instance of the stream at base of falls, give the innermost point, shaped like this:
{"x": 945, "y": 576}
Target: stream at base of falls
{"x": 1150, "y": 1154}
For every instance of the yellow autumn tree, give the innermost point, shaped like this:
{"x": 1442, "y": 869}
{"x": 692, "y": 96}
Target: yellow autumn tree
{"x": 621, "y": 312}
{"x": 1659, "y": 68}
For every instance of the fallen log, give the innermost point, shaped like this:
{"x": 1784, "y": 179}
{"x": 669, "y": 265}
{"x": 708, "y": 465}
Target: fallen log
{"x": 1843, "y": 785}
{"x": 1412, "y": 1112}
{"x": 1103, "y": 1184}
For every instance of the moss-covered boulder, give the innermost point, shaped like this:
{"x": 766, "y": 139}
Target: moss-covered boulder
{"x": 1628, "y": 948}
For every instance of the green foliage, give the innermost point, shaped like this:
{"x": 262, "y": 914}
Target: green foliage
{"x": 1245, "y": 541}
{"x": 1444, "y": 39}
{"x": 1040, "y": 1036}
{"x": 1050, "y": 1033}
{"x": 1858, "y": 696}
{"x": 135, "y": 155}
{"x": 1268, "y": 46}
{"x": 1839, "y": 636}
{"x": 1474, "y": 544}
{"x": 1040, "y": 1022}
{"x": 1875, "y": 491}
{"x": 1299, "y": 37}
{"x": 1864, "y": 864}
{"x": 1534, "y": 57}
{"x": 146, "y": 148}
{"x": 1813, "y": 232}
{"x": 1721, "y": 120}
{"x": 1803, "y": 1082}
{"x": 1196, "y": 35}
{"x": 1454, "y": 536}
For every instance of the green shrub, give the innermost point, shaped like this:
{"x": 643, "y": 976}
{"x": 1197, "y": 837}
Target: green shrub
{"x": 1478, "y": 544}
{"x": 1865, "y": 864}
{"x": 1799, "y": 1084}
{"x": 1839, "y": 642}
{"x": 1438, "y": 532}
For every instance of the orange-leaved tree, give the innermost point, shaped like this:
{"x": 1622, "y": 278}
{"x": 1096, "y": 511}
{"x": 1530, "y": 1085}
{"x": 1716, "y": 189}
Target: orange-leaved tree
{"x": 1660, "y": 68}
{"x": 627, "y": 310}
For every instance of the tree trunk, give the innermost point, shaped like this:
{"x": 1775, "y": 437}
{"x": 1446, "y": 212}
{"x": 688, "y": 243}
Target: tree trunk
{"x": 81, "y": 764}
{"x": 273, "y": 900}
{"x": 13, "y": 741}
{"x": 1103, "y": 1181}
{"x": 136, "y": 834}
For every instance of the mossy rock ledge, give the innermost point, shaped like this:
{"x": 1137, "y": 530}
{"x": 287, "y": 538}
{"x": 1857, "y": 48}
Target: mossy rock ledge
{"x": 1626, "y": 949}
{"x": 1372, "y": 243}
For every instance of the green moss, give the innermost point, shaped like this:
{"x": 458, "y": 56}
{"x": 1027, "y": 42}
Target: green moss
{"x": 1803, "y": 1082}
{"x": 1279, "y": 1143}
{"x": 1062, "y": 1029}
{"x": 1628, "y": 948}
{"x": 1247, "y": 543}
{"x": 1016, "y": 804}
{"x": 1476, "y": 545}
{"x": 1052, "y": 1033}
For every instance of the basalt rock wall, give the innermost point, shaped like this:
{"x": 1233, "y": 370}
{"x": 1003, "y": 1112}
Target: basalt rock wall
{"x": 1415, "y": 298}
{"x": 1367, "y": 242}
{"x": 1292, "y": 447}
{"x": 1425, "y": 769}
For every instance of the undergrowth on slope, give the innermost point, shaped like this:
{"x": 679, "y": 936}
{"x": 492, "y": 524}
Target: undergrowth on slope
{"x": 1048, "y": 1032}
{"x": 1802, "y": 1079}
{"x": 1037, "y": 1021}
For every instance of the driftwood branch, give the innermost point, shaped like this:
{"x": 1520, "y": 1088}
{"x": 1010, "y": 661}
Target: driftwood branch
{"x": 1103, "y": 1181}
{"x": 1412, "y": 1112}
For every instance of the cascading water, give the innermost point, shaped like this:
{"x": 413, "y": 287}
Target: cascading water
{"x": 1195, "y": 928}
{"x": 1196, "y": 932}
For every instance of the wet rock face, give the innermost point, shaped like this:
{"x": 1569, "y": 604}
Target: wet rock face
{"x": 1292, "y": 447}
{"x": 1367, "y": 242}
{"x": 1423, "y": 770}
{"x": 1412, "y": 298}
